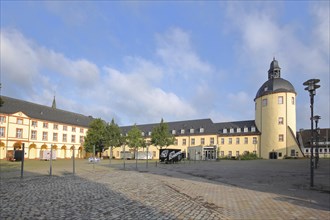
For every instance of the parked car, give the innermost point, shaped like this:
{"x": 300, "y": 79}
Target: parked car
{"x": 94, "y": 159}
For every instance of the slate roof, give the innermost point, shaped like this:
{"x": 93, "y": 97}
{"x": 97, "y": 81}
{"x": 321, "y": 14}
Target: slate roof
{"x": 208, "y": 126}
{"x": 275, "y": 85}
{"x": 306, "y": 137}
{"x": 235, "y": 125}
{"x": 43, "y": 112}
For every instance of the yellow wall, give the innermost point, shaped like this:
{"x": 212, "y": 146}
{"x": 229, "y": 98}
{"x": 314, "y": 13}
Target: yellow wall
{"x": 34, "y": 146}
{"x": 267, "y": 121}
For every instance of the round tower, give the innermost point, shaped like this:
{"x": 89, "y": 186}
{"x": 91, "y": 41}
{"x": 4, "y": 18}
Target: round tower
{"x": 275, "y": 116}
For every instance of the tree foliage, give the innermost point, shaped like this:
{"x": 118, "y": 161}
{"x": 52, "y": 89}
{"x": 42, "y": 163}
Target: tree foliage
{"x": 96, "y": 136}
{"x": 112, "y": 135}
{"x": 134, "y": 138}
{"x": 160, "y": 136}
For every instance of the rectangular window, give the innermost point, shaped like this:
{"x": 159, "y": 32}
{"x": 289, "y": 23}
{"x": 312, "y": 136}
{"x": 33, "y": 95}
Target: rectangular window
{"x": 231, "y": 130}
{"x": 73, "y": 129}
{"x": 173, "y": 131}
{"x": 254, "y": 141}
{"x": 237, "y": 140}
{"x": 34, "y": 124}
{"x": 54, "y": 136}
{"x": 192, "y": 141}
{"x": 246, "y": 129}
{"x": 222, "y": 153}
{"x": 237, "y": 153}
{"x": 280, "y": 120}
{"x": 292, "y": 100}
{"x": 211, "y": 140}
{"x": 19, "y": 133}
{"x": 176, "y": 142}
{"x": 201, "y": 130}
{"x": 184, "y": 142}
{"x": 2, "y": 132}
{"x": 64, "y": 138}
{"x": 45, "y": 125}
{"x": 264, "y": 102}
{"x": 280, "y": 100}
{"x": 44, "y": 136}
{"x": 222, "y": 141}
{"x": 34, "y": 135}
{"x": 281, "y": 137}
{"x": 253, "y": 129}
{"x": 224, "y": 131}
{"x": 293, "y": 153}
{"x": 229, "y": 153}
{"x": 246, "y": 140}
{"x": 81, "y": 139}
{"x": 230, "y": 141}
{"x": 2, "y": 119}
{"x": 182, "y": 131}
{"x": 202, "y": 141}
{"x": 19, "y": 121}
{"x": 73, "y": 138}
{"x": 192, "y": 130}
{"x": 81, "y": 130}
{"x": 238, "y": 130}
{"x": 65, "y": 128}
{"x": 55, "y": 126}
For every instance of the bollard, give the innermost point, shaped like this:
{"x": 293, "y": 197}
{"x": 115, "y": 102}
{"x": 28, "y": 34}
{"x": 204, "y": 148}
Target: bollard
{"x": 22, "y": 162}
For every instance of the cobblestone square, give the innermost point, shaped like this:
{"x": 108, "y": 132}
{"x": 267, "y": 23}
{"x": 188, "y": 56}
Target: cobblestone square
{"x": 262, "y": 189}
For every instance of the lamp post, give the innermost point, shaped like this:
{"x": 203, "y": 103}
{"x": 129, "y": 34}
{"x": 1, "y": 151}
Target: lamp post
{"x": 316, "y": 118}
{"x": 311, "y": 88}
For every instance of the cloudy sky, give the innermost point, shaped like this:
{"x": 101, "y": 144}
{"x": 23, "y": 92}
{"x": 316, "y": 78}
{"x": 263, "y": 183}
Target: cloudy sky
{"x": 140, "y": 61}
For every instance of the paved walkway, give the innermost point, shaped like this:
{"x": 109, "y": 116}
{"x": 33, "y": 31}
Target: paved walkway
{"x": 204, "y": 190}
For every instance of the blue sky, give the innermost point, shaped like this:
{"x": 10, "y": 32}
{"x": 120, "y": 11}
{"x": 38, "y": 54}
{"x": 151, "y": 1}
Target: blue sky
{"x": 140, "y": 61}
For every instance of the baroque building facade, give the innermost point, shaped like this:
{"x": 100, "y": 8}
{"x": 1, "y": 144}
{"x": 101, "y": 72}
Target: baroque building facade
{"x": 271, "y": 135}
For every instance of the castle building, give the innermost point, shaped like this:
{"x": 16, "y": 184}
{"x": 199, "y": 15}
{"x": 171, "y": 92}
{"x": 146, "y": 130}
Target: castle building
{"x": 271, "y": 135}
{"x": 40, "y": 128}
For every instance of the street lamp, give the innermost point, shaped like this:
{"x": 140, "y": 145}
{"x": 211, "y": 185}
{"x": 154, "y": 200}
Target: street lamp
{"x": 316, "y": 118}
{"x": 311, "y": 88}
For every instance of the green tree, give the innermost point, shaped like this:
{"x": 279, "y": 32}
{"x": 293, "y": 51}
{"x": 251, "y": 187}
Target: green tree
{"x": 160, "y": 136}
{"x": 95, "y": 136}
{"x": 135, "y": 140}
{"x": 1, "y": 101}
{"x": 112, "y": 136}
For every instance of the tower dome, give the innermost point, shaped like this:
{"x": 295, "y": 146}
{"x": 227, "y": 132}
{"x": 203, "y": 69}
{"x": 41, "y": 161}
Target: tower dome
{"x": 275, "y": 83}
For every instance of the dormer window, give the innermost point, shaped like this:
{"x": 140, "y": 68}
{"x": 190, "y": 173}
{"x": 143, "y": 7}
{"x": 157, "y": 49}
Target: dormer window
{"x": 192, "y": 130}
{"x": 149, "y": 133}
{"x": 231, "y": 130}
{"x": 142, "y": 133}
{"x": 201, "y": 130}
{"x": 224, "y": 131}
{"x": 246, "y": 129}
{"x": 182, "y": 131}
{"x": 238, "y": 130}
{"x": 253, "y": 129}
{"x": 173, "y": 131}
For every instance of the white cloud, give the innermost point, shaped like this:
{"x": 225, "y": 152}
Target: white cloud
{"x": 174, "y": 48}
{"x": 136, "y": 96}
{"x": 19, "y": 60}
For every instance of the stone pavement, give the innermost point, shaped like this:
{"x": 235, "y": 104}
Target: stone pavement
{"x": 202, "y": 190}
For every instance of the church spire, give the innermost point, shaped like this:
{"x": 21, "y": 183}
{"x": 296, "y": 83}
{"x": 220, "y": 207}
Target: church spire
{"x": 54, "y": 103}
{"x": 274, "y": 70}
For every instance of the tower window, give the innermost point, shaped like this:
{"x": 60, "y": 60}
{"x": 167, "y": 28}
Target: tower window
{"x": 280, "y": 120}
{"x": 281, "y": 137}
{"x": 264, "y": 102}
{"x": 292, "y": 100}
{"x": 280, "y": 100}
